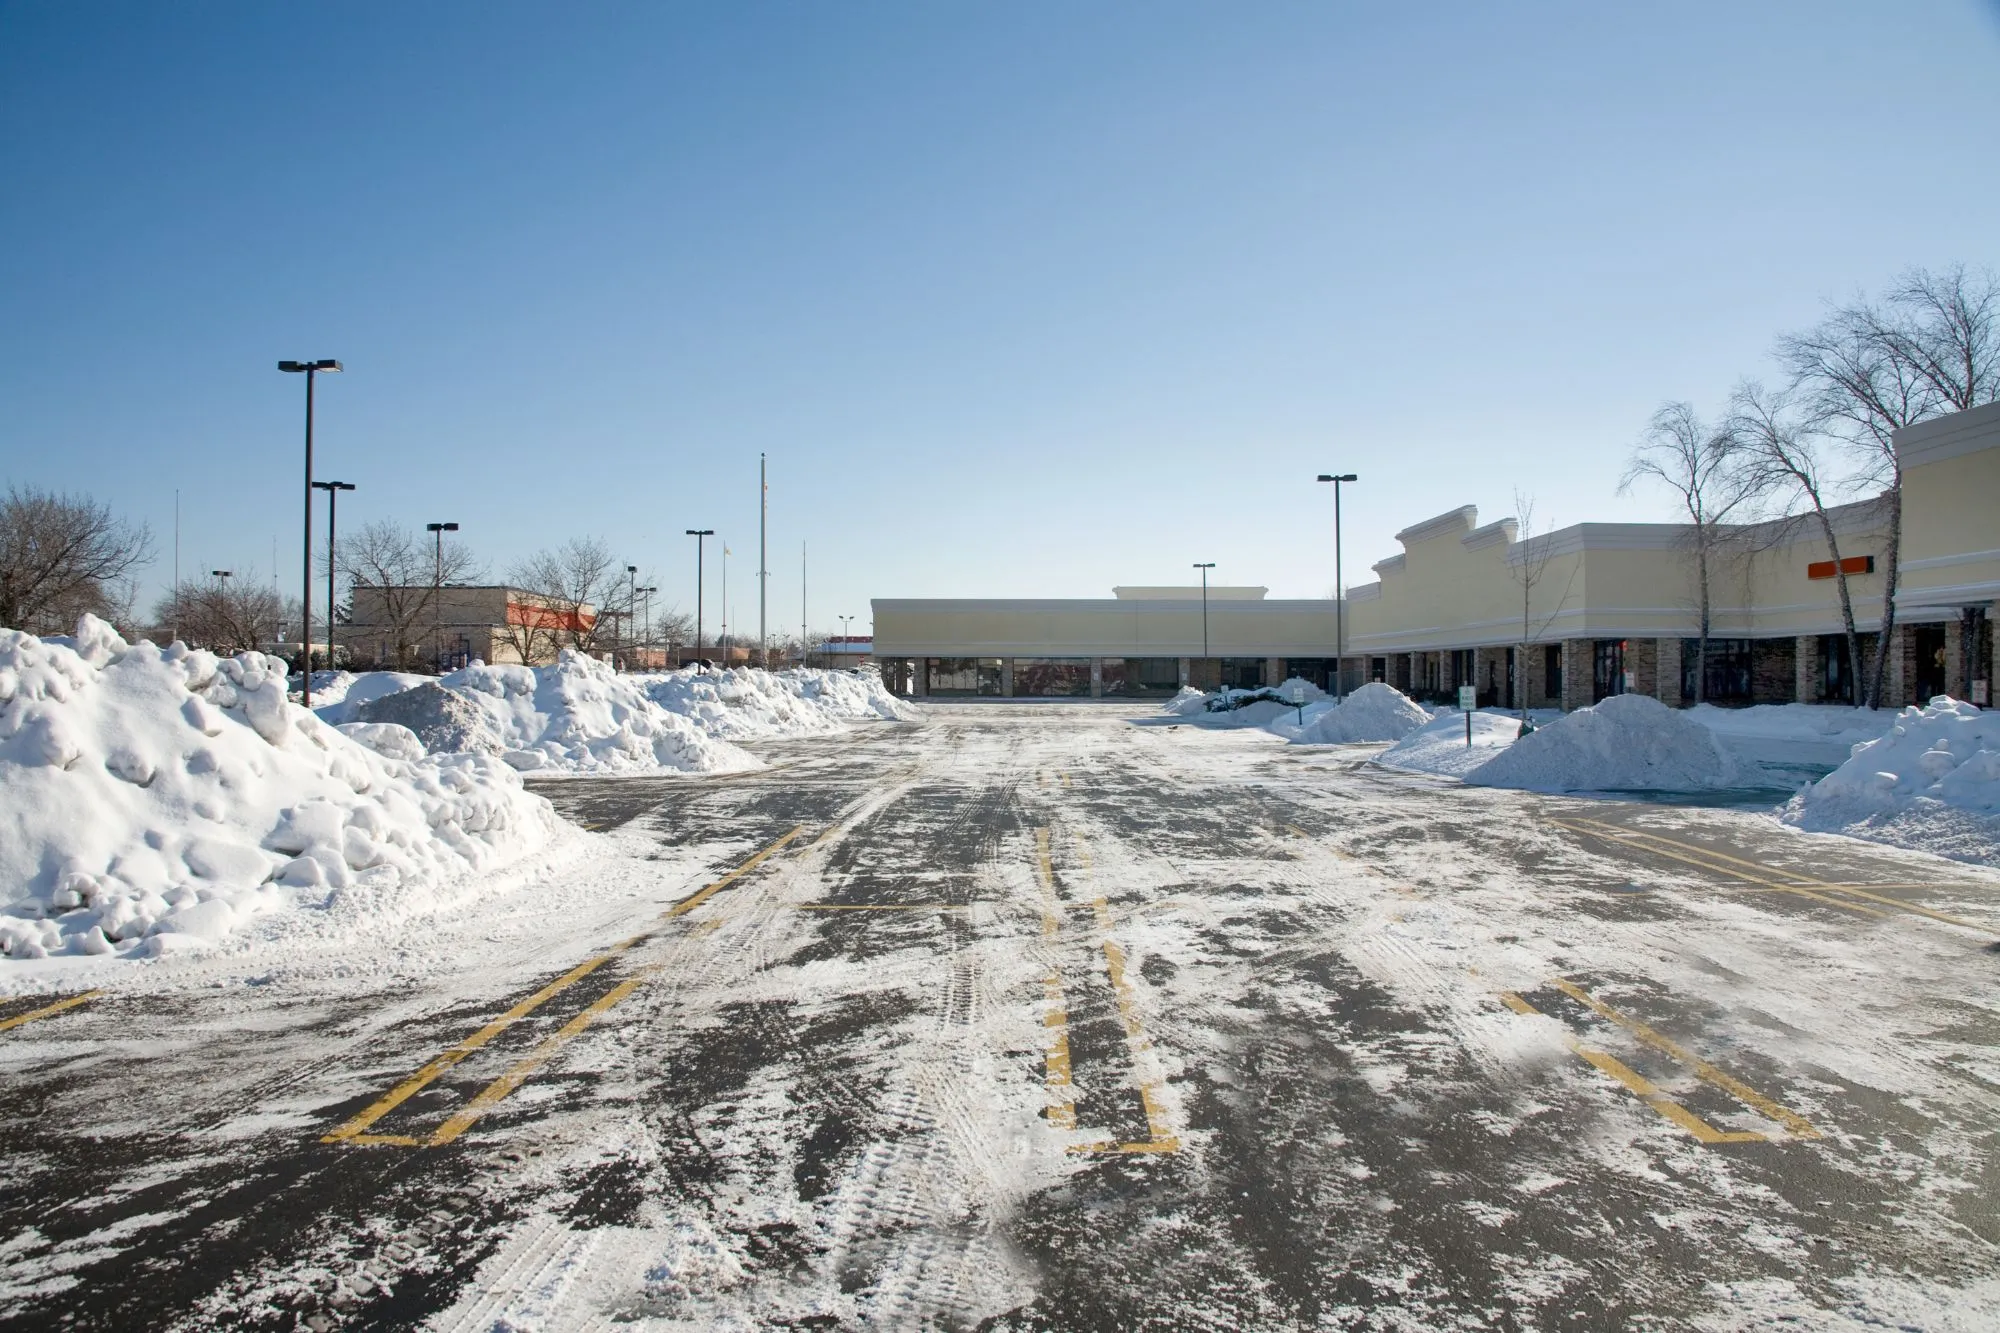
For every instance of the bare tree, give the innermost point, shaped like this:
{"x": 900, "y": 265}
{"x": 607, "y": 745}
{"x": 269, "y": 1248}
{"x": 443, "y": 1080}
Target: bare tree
{"x": 63, "y": 555}
{"x": 1778, "y": 450}
{"x": 1699, "y": 464}
{"x": 579, "y": 579}
{"x": 226, "y": 615}
{"x": 1931, "y": 346}
{"x": 1528, "y": 566}
{"x": 393, "y": 572}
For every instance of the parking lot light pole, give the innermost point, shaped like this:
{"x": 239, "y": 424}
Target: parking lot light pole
{"x": 698, "y": 534}
{"x": 333, "y": 490}
{"x": 309, "y": 369}
{"x": 1204, "y": 568}
{"x": 1339, "y": 592}
{"x": 438, "y": 530}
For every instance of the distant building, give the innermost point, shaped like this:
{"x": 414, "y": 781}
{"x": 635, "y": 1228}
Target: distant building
{"x": 842, "y": 653}
{"x": 1558, "y": 619}
{"x": 406, "y": 626}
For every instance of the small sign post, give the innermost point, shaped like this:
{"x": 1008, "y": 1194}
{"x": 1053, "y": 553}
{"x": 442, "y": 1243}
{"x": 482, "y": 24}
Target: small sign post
{"x": 1468, "y": 701}
{"x": 1296, "y": 697}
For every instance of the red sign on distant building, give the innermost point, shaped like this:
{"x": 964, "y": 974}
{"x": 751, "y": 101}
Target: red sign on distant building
{"x": 1853, "y": 564}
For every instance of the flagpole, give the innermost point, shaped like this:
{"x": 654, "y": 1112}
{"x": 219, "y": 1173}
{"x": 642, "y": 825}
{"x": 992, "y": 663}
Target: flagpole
{"x": 763, "y": 573}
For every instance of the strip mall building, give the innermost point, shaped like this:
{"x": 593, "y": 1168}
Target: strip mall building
{"x": 1609, "y": 608}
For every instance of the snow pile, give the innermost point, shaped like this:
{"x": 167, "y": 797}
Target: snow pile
{"x": 1439, "y": 745}
{"x": 153, "y": 800}
{"x": 1629, "y": 742}
{"x": 1932, "y": 783}
{"x": 747, "y": 703}
{"x": 578, "y": 716}
{"x": 1375, "y": 712}
{"x": 338, "y": 695}
{"x": 1187, "y": 703}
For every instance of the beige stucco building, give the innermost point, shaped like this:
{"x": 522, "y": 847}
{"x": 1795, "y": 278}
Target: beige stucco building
{"x": 417, "y": 627}
{"x": 1564, "y": 618}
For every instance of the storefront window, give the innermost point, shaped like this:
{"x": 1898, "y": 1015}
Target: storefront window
{"x": 1142, "y": 677}
{"x": 1046, "y": 677}
{"x": 963, "y": 675}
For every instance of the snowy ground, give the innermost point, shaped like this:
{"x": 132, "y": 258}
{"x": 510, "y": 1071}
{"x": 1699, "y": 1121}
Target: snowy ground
{"x": 1036, "y": 1017}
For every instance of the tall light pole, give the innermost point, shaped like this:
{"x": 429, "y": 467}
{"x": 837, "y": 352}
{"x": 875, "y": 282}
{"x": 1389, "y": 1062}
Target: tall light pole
{"x": 646, "y": 620}
{"x": 333, "y": 490}
{"x": 763, "y": 562}
{"x": 438, "y": 530}
{"x": 1204, "y": 568}
{"x": 309, "y": 369}
{"x": 1339, "y": 588}
{"x": 698, "y": 534}
{"x": 846, "y": 631}
{"x": 631, "y": 609}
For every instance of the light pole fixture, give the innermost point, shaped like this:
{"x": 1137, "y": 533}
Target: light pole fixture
{"x": 333, "y": 490}
{"x": 646, "y": 618}
{"x": 309, "y": 369}
{"x": 846, "y": 631}
{"x": 1204, "y": 568}
{"x": 224, "y": 574}
{"x": 1339, "y": 589}
{"x": 698, "y": 534}
{"x": 438, "y": 530}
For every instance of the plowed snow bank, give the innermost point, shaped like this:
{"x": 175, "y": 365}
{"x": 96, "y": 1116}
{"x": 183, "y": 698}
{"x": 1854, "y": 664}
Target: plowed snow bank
{"x": 158, "y": 799}
{"x": 1629, "y": 742}
{"x": 1932, "y": 783}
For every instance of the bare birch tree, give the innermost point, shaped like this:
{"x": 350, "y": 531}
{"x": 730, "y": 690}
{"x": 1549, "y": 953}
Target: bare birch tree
{"x": 1528, "y": 565}
{"x": 1700, "y": 465}
{"x": 63, "y": 555}
{"x": 1931, "y": 346}
{"x": 1778, "y": 448}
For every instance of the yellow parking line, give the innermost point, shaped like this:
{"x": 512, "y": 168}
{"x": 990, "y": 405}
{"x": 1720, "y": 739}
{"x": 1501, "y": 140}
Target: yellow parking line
{"x": 1703, "y": 1070}
{"x": 1644, "y": 843}
{"x": 1055, "y": 1056}
{"x": 352, "y": 1131}
{"x": 518, "y": 1073}
{"x": 49, "y": 1011}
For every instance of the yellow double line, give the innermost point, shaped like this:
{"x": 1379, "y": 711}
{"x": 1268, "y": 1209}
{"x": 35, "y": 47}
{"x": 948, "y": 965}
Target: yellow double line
{"x": 1764, "y": 876}
{"x": 1795, "y": 1124}
{"x": 1056, "y": 1057}
{"x": 354, "y": 1131}
{"x": 49, "y": 1010}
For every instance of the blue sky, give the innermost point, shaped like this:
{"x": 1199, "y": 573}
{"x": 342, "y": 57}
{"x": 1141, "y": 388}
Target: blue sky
{"x": 1021, "y": 300}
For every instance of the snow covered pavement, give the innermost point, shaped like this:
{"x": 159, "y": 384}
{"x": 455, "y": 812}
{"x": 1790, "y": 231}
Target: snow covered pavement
{"x": 1032, "y": 1015}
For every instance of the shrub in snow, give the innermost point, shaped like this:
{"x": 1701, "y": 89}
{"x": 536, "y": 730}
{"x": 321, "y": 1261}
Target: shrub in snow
{"x": 1375, "y": 712}
{"x": 1931, "y": 783}
{"x": 153, "y": 798}
{"x": 1629, "y": 742}
{"x": 578, "y": 716}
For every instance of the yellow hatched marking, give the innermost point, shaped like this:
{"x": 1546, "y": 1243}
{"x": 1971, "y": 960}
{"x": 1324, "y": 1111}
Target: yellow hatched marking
{"x": 1703, "y": 1070}
{"x": 353, "y": 1130}
{"x": 1159, "y": 1129}
{"x": 1644, "y": 1089}
{"x": 49, "y": 1010}
{"x": 518, "y": 1073}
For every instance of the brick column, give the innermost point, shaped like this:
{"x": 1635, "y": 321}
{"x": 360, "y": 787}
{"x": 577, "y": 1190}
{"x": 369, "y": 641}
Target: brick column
{"x": 1954, "y": 659}
{"x": 1274, "y": 670}
{"x": 1097, "y": 678}
{"x": 1186, "y": 678}
{"x": 1006, "y": 677}
{"x": 1667, "y": 671}
{"x": 921, "y": 678}
{"x": 1901, "y": 678}
{"x": 1642, "y": 659}
{"x": 1577, "y": 664}
{"x": 1534, "y": 691}
{"x": 1805, "y": 669}
{"x": 1773, "y": 671}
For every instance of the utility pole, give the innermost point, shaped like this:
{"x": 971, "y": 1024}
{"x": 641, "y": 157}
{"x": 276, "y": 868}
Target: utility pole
{"x": 437, "y": 593}
{"x": 804, "y": 651}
